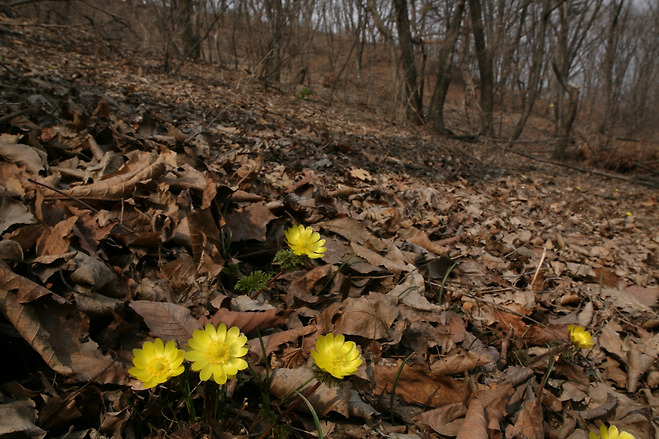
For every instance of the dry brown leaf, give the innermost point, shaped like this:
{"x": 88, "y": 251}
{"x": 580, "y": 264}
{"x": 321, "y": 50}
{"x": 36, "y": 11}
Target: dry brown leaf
{"x": 630, "y": 299}
{"x": 59, "y": 333}
{"x": 24, "y": 155}
{"x": 459, "y": 362}
{"x": 13, "y": 212}
{"x": 601, "y": 411}
{"x": 640, "y": 359}
{"x": 418, "y": 384}
{"x": 529, "y": 422}
{"x": 24, "y": 289}
{"x": 10, "y": 251}
{"x": 18, "y": 419}
{"x": 368, "y": 317}
{"x": 475, "y": 424}
{"x": 55, "y": 241}
{"x": 647, "y": 296}
{"x": 118, "y": 187}
{"x": 206, "y": 242}
{"x": 610, "y": 340}
{"x": 180, "y": 272}
{"x": 324, "y": 399}
{"x": 495, "y": 401}
{"x": 420, "y": 238}
{"x": 168, "y": 321}
{"x": 376, "y": 259}
{"x": 302, "y": 289}
{"x": 444, "y": 420}
{"x": 250, "y": 223}
{"x": 248, "y": 321}
{"x": 361, "y": 174}
{"x": 272, "y": 342}
{"x": 283, "y": 382}
{"x": 355, "y": 232}
{"x": 92, "y": 272}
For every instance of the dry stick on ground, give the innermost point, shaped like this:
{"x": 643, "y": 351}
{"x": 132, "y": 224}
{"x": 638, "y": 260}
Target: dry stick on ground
{"x": 638, "y": 180}
{"x": 78, "y": 200}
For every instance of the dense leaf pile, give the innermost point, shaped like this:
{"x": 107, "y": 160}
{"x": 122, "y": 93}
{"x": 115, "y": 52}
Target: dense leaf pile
{"x": 132, "y": 203}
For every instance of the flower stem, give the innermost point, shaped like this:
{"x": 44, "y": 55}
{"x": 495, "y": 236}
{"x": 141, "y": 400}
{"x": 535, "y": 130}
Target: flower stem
{"x": 187, "y": 395}
{"x": 289, "y": 409}
{"x": 210, "y": 391}
{"x": 255, "y": 294}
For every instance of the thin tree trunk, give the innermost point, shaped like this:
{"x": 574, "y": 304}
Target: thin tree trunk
{"x": 485, "y": 66}
{"x": 436, "y": 110}
{"x": 609, "y": 59}
{"x": 536, "y": 70}
{"x": 412, "y": 97}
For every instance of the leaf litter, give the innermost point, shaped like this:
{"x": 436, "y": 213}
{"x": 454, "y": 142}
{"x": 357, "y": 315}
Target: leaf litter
{"x": 132, "y": 204}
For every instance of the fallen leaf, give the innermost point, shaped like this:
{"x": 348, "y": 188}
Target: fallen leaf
{"x": 368, "y": 317}
{"x": 475, "y": 424}
{"x": 417, "y": 384}
{"x": 168, "y": 321}
{"x": 18, "y": 418}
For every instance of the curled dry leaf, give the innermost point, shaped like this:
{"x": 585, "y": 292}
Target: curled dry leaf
{"x": 13, "y": 212}
{"x": 368, "y": 317}
{"x": 474, "y": 425}
{"x": 529, "y": 422}
{"x": 250, "y": 223}
{"x": 324, "y": 399}
{"x": 60, "y": 334}
{"x": 248, "y": 321}
{"x": 24, "y": 155}
{"x": 445, "y": 420}
{"x": 459, "y": 362}
{"x": 118, "y": 187}
{"x": 418, "y": 384}
{"x": 168, "y": 321}
{"x": 19, "y": 417}
{"x": 272, "y": 342}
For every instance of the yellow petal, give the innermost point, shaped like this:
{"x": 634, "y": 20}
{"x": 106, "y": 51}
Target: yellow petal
{"x": 219, "y": 375}
{"x": 205, "y": 373}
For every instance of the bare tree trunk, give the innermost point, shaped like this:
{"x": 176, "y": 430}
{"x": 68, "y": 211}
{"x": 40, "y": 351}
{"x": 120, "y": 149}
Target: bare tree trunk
{"x": 271, "y": 65}
{"x": 412, "y": 97}
{"x": 189, "y": 29}
{"x": 565, "y": 117}
{"x": 389, "y": 38}
{"x": 485, "y": 66}
{"x": 609, "y": 60}
{"x": 436, "y": 110}
{"x": 571, "y": 32}
{"x": 528, "y": 100}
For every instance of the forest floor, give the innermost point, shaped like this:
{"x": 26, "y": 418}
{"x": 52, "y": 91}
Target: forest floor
{"x": 133, "y": 201}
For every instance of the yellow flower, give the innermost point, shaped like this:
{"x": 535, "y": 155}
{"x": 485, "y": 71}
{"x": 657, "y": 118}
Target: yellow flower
{"x": 579, "y": 337}
{"x": 611, "y": 433}
{"x": 217, "y": 352}
{"x": 156, "y": 362}
{"x": 304, "y": 241}
{"x": 336, "y": 356}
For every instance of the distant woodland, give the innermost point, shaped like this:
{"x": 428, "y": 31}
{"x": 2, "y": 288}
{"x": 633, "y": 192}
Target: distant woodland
{"x": 498, "y": 63}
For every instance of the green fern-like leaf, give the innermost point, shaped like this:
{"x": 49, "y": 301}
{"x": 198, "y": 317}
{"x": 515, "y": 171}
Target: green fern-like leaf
{"x": 253, "y": 282}
{"x": 288, "y": 260}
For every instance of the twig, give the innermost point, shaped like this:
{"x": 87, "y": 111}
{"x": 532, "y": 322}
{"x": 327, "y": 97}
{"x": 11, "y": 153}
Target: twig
{"x": 537, "y": 271}
{"x": 9, "y": 117}
{"x": 78, "y": 200}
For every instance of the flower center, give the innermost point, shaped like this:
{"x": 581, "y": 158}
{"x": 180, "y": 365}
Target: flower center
{"x": 158, "y": 366}
{"x": 218, "y": 352}
{"x": 335, "y": 360}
